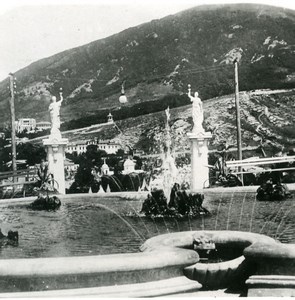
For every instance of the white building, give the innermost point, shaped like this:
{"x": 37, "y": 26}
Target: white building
{"x": 25, "y": 124}
{"x": 105, "y": 169}
{"x": 43, "y": 125}
{"x": 110, "y": 118}
{"x": 79, "y": 147}
{"x": 110, "y": 147}
{"x": 70, "y": 165}
{"x": 129, "y": 166}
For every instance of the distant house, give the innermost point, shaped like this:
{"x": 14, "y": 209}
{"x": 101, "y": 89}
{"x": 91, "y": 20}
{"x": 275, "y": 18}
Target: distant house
{"x": 110, "y": 118}
{"x": 69, "y": 165}
{"x": 105, "y": 169}
{"x": 129, "y": 166}
{"x": 79, "y": 147}
{"x": 43, "y": 125}
{"x": 25, "y": 124}
{"x": 110, "y": 147}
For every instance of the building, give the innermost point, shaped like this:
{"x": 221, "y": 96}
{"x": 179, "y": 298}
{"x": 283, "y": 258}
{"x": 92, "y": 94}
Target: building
{"x": 43, "y": 125}
{"x": 79, "y": 147}
{"x": 105, "y": 169}
{"x": 129, "y": 166}
{"x": 70, "y": 165}
{"x": 110, "y": 118}
{"x": 25, "y": 124}
{"x": 110, "y": 147}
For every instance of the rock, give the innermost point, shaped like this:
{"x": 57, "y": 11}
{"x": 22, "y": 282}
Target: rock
{"x": 181, "y": 204}
{"x": 46, "y": 203}
{"x": 10, "y": 239}
{"x": 269, "y": 192}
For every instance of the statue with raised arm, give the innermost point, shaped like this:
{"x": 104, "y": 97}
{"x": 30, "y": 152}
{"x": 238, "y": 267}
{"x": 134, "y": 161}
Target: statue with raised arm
{"x": 54, "y": 110}
{"x": 197, "y": 111}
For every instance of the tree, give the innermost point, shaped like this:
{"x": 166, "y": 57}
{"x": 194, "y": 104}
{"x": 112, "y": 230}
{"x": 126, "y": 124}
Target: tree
{"x": 31, "y": 152}
{"x": 87, "y": 161}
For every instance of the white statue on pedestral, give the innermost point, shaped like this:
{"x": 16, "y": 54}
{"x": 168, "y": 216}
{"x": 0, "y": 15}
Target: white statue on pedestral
{"x": 197, "y": 111}
{"x": 54, "y": 110}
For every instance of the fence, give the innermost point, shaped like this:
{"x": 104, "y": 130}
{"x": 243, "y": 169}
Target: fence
{"x": 16, "y": 183}
{"x": 234, "y": 164}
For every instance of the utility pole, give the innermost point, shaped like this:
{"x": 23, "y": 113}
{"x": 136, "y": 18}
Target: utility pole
{"x": 238, "y": 117}
{"x": 12, "y": 114}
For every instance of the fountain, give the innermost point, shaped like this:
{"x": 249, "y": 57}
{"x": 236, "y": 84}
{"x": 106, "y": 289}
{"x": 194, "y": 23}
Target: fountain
{"x": 168, "y": 167}
{"x": 77, "y": 249}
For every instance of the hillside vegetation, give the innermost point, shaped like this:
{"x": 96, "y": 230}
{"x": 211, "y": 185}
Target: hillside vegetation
{"x": 261, "y": 122}
{"x": 160, "y": 58}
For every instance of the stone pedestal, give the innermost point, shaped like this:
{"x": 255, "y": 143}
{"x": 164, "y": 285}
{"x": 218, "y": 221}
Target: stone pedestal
{"x": 199, "y": 160}
{"x": 271, "y": 286}
{"x": 55, "y": 146}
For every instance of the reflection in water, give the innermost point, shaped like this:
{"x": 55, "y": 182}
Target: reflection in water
{"x": 85, "y": 227}
{"x": 242, "y": 208}
{"x": 252, "y": 213}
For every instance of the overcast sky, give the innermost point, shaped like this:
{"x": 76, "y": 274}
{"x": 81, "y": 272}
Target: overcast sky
{"x": 30, "y": 31}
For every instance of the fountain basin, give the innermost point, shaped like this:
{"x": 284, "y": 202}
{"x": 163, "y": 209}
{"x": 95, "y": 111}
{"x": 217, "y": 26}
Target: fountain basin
{"x": 229, "y": 244}
{"x": 40, "y": 274}
{"x": 92, "y": 275}
{"x": 45, "y": 275}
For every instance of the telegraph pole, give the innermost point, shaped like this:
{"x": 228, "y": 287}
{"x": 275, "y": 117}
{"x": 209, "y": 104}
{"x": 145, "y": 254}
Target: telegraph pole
{"x": 12, "y": 114}
{"x": 238, "y": 117}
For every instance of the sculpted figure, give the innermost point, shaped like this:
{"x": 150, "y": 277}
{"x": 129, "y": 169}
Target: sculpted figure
{"x": 54, "y": 110}
{"x": 197, "y": 111}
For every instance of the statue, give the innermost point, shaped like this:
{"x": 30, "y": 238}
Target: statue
{"x": 167, "y": 111}
{"x": 54, "y": 109}
{"x": 197, "y": 111}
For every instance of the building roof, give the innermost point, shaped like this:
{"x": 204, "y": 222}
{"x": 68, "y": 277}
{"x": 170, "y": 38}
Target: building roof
{"x": 129, "y": 162}
{"x": 69, "y": 162}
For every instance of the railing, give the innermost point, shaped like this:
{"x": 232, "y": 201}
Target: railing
{"x": 14, "y": 183}
{"x": 261, "y": 161}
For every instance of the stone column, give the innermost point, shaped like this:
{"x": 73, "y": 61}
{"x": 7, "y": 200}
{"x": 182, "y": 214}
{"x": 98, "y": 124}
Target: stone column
{"x": 199, "y": 160}
{"x": 55, "y": 156}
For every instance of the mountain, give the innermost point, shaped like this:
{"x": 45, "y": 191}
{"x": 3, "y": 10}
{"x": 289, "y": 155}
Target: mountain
{"x": 196, "y": 47}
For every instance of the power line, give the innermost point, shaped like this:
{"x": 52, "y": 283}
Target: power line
{"x": 159, "y": 76}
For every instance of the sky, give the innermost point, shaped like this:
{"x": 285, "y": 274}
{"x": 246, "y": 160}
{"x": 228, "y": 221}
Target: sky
{"x": 31, "y": 30}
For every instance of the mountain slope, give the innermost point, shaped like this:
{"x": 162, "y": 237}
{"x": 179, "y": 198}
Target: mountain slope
{"x": 161, "y": 57}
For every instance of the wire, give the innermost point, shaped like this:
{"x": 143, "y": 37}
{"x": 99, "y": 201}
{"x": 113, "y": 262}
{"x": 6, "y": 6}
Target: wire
{"x": 159, "y": 76}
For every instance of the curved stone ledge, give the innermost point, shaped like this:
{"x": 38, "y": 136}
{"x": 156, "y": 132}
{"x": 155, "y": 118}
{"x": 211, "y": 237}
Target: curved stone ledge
{"x": 133, "y": 196}
{"x": 40, "y": 274}
{"x": 271, "y": 286}
{"x": 185, "y": 239}
{"x": 277, "y": 259}
{"x": 157, "y": 288}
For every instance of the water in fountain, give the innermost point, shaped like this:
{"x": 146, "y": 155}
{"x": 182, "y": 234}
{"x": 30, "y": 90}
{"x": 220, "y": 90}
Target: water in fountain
{"x": 169, "y": 168}
{"x": 241, "y": 212}
{"x": 89, "y": 225}
{"x": 120, "y": 182}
